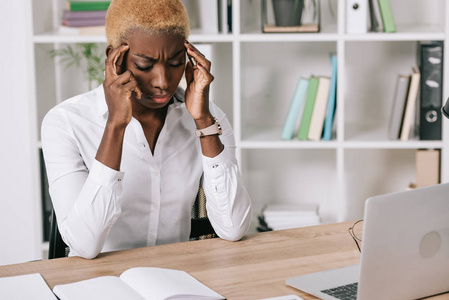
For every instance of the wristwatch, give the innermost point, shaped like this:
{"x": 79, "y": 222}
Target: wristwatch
{"x": 211, "y": 130}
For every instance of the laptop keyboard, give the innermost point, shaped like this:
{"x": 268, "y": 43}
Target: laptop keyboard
{"x": 344, "y": 292}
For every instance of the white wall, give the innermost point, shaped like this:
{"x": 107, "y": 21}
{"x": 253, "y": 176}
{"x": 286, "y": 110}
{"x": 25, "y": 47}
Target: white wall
{"x": 19, "y": 185}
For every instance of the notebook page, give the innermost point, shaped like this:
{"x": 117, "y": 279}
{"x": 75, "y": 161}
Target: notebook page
{"x": 25, "y": 287}
{"x": 100, "y": 288}
{"x": 157, "y": 283}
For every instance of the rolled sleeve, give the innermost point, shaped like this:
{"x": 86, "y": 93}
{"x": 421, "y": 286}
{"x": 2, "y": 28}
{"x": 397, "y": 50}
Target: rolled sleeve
{"x": 228, "y": 203}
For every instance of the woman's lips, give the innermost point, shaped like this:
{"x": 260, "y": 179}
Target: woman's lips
{"x": 160, "y": 98}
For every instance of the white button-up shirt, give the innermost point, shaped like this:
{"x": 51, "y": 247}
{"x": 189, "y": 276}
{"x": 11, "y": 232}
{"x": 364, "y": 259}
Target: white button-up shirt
{"x": 149, "y": 201}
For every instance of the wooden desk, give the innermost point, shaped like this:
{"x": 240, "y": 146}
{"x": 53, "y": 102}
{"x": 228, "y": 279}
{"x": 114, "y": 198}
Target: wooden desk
{"x": 253, "y": 268}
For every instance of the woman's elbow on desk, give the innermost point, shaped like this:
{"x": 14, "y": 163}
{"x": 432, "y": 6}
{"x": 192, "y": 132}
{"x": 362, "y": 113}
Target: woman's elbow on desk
{"x": 235, "y": 233}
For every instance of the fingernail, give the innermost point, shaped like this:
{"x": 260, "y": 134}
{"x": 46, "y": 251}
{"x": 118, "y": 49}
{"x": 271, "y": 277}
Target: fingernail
{"x": 191, "y": 49}
{"x": 187, "y": 42}
{"x": 200, "y": 64}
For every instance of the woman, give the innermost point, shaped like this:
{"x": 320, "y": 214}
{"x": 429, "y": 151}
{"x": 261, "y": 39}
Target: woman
{"x": 124, "y": 161}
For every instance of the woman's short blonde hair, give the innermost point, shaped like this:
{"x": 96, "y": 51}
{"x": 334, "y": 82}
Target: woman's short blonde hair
{"x": 153, "y": 16}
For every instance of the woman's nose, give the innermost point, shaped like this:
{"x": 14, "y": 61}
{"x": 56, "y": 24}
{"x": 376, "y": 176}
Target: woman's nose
{"x": 161, "y": 79}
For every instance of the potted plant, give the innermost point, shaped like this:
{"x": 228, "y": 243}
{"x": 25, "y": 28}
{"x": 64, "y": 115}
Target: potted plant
{"x": 288, "y": 12}
{"x": 85, "y": 56}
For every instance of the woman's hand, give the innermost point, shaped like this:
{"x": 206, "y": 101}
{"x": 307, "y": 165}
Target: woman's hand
{"x": 118, "y": 88}
{"x": 198, "y": 79}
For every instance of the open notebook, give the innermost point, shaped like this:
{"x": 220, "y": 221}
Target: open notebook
{"x": 139, "y": 284}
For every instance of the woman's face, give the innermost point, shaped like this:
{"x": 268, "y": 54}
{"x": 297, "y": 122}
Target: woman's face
{"x": 157, "y": 62}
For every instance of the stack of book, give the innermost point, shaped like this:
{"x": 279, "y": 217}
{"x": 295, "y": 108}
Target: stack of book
{"x": 84, "y": 16}
{"x": 312, "y": 107}
{"x": 289, "y": 215}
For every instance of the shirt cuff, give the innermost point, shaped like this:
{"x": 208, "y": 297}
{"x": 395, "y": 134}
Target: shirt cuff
{"x": 105, "y": 175}
{"x": 215, "y": 166}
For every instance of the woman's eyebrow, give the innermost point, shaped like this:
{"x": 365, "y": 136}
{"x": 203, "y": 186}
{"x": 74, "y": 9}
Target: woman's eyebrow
{"x": 154, "y": 59}
{"x": 144, "y": 56}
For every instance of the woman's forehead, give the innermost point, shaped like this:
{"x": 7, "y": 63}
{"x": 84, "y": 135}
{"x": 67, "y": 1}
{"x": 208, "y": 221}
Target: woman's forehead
{"x": 149, "y": 42}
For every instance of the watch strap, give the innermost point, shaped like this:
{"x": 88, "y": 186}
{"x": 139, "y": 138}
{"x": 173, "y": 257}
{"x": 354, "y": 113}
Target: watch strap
{"x": 210, "y": 130}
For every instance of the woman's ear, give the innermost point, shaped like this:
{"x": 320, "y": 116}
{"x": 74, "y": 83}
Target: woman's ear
{"x": 109, "y": 49}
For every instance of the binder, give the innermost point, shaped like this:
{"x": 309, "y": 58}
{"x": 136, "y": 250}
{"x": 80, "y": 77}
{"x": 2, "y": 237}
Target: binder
{"x": 356, "y": 16}
{"x": 431, "y": 67}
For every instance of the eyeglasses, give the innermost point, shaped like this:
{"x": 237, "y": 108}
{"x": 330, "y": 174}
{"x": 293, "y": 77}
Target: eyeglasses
{"x": 357, "y": 240}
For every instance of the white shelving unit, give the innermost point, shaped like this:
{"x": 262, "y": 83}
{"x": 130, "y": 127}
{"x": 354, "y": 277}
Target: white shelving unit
{"x": 255, "y": 77}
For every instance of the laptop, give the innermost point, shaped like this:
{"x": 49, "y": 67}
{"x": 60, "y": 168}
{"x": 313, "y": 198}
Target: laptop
{"x": 405, "y": 250}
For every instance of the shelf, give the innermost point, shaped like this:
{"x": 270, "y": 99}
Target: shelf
{"x": 404, "y": 32}
{"x": 54, "y": 37}
{"x": 293, "y": 144}
{"x": 413, "y": 144}
{"x": 288, "y": 37}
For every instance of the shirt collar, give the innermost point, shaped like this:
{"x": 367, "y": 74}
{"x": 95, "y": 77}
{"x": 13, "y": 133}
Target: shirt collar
{"x": 178, "y": 100}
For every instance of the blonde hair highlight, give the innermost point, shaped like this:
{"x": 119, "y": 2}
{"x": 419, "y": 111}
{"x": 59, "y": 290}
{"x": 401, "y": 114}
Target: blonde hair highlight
{"x": 152, "y": 16}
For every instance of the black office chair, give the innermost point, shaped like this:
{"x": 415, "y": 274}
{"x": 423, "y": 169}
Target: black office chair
{"x": 201, "y": 228}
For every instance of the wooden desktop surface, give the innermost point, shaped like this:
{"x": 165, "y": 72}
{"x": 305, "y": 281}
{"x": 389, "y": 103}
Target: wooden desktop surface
{"x": 253, "y": 268}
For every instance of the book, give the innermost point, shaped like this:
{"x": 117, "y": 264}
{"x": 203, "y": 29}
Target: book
{"x": 356, "y": 16}
{"x": 85, "y": 30}
{"x": 412, "y": 96}
{"x": 399, "y": 102}
{"x": 138, "y": 283}
{"x": 291, "y": 215}
{"x": 73, "y": 5}
{"x": 84, "y": 22}
{"x": 319, "y": 110}
{"x": 387, "y": 16}
{"x": 296, "y": 105}
{"x": 427, "y": 167}
{"x": 374, "y": 21}
{"x": 308, "y": 108}
{"x": 82, "y": 15}
{"x": 331, "y": 101}
{"x": 375, "y": 11}
{"x": 431, "y": 90}
{"x": 25, "y": 287}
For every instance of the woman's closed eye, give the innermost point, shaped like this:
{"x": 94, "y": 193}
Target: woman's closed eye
{"x": 143, "y": 68}
{"x": 176, "y": 64}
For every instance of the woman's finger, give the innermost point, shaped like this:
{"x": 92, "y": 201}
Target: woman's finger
{"x": 133, "y": 86}
{"x": 119, "y": 63}
{"x": 111, "y": 61}
{"x": 198, "y": 56}
{"x": 205, "y": 73}
{"x": 124, "y": 78}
